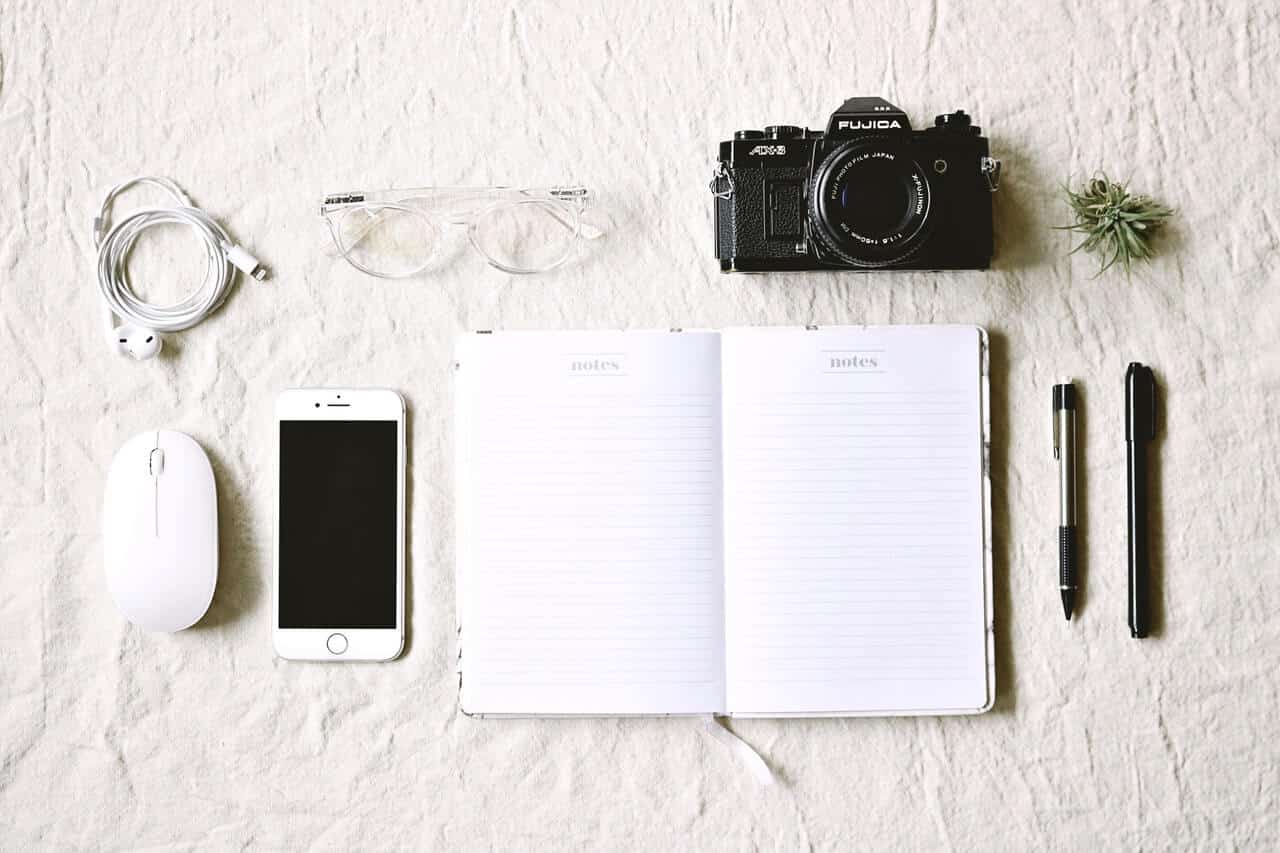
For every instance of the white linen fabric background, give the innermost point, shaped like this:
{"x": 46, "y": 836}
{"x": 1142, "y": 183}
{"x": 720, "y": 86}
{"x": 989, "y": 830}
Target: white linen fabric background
{"x": 113, "y": 737}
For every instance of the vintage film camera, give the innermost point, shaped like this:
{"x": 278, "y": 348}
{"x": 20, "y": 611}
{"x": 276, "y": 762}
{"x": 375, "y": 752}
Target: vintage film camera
{"x": 869, "y": 193}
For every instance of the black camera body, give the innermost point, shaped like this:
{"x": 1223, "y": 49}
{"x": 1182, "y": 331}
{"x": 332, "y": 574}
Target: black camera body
{"x": 869, "y": 193}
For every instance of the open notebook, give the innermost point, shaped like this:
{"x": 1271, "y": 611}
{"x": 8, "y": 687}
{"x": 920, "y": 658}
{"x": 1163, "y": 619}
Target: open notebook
{"x": 767, "y": 522}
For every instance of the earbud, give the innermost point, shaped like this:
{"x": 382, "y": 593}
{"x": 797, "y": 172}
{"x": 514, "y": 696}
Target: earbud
{"x": 138, "y": 341}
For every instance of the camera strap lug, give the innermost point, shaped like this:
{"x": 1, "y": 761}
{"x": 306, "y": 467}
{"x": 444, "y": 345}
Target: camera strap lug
{"x": 721, "y": 181}
{"x": 990, "y": 168}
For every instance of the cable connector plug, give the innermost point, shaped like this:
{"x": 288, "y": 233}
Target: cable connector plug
{"x": 245, "y": 262}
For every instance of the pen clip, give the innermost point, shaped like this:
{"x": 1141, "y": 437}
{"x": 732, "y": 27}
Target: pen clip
{"x": 1059, "y": 403}
{"x": 1139, "y": 403}
{"x": 1152, "y": 384}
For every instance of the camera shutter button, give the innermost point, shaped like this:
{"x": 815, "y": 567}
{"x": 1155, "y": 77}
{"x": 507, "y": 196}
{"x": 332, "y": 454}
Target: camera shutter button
{"x": 956, "y": 122}
{"x": 748, "y": 134}
{"x": 783, "y": 131}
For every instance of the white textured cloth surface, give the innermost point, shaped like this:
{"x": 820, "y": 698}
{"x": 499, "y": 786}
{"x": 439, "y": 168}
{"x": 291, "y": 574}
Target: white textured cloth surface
{"x": 111, "y": 737}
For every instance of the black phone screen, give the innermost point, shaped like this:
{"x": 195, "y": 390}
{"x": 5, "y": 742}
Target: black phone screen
{"x": 338, "y": 524}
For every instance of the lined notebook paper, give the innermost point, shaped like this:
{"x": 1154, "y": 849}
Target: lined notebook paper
{"x": 854, "y": 520}
{"x": 590, "y": 561}
{"x": 757, "y": 522}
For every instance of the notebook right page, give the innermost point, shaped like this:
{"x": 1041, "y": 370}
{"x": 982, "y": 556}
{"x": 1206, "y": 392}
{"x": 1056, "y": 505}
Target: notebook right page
{"x": 856, "y": 570}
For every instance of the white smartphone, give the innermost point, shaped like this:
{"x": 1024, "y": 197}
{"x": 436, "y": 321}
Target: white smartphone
{"x": 338, "y": 590}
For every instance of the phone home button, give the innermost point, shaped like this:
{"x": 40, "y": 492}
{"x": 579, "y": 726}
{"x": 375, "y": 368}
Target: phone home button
{"x": 337, "y": 644}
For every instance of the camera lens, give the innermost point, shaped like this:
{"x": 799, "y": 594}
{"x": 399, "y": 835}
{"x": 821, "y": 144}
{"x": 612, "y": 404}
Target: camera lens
{"x": 870, "y": 202}
{"x": 875, "y": 203}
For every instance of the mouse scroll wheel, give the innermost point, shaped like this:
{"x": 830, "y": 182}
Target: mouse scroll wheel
{"x": 156, "y": 462}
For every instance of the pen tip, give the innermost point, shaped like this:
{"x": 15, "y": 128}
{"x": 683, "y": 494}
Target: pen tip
{"x": 1068, "y": 603}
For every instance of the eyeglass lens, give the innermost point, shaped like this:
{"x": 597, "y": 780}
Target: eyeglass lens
{"x": 387, "y": 240}
{"x": 526, "y": 236}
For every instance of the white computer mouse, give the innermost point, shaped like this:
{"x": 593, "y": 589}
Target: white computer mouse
{"x": 160, "y": 531}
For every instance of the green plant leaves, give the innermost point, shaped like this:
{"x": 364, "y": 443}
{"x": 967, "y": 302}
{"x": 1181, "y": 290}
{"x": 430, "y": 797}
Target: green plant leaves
{"x": 1117, "y": 226}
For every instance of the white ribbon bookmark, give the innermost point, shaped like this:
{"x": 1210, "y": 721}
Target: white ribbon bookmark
{"x": 748, "y": 756}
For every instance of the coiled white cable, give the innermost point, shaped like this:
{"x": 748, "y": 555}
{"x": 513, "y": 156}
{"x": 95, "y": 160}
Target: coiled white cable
{"x": 114, "y": 244}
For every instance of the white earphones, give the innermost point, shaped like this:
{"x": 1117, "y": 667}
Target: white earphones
{"x": 140, "y": 335}
{"x": 141, "y": 343}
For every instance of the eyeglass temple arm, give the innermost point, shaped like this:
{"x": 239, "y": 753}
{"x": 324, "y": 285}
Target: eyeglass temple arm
{"x": 586, "y": 229}
{"x": 356, "y": 239}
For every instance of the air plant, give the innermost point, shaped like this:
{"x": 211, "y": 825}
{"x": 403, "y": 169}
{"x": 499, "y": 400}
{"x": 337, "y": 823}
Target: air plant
{"x": 1117, "y": 225}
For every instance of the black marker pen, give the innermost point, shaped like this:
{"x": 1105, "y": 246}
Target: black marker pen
{"x": 1139, "y": 430}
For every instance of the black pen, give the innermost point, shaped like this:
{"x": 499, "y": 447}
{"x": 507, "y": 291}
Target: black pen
{"x": 1139, "y": 428}
{"x": 1064, "y": 450}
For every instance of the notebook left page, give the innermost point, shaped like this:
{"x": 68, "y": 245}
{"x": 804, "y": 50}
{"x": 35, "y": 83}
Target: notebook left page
{"x": 589, "y": 536}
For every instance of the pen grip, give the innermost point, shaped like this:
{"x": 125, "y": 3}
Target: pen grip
{"x": 1067, "y": 557}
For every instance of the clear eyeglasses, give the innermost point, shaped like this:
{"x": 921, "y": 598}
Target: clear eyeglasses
{"x": 399, "y": 233}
